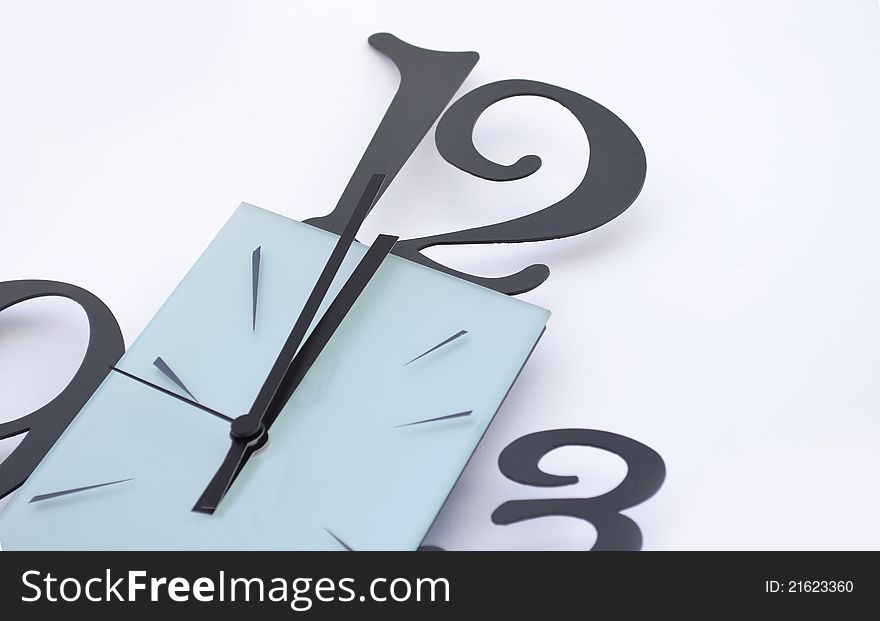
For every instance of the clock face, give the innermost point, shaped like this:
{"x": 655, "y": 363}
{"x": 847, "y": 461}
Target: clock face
{"x": 362, "y": 456}
{"x": 301, "y": 391}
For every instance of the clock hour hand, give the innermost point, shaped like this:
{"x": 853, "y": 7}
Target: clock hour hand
{"x": 249, "y": 432}
{"x": 327, "y": 326}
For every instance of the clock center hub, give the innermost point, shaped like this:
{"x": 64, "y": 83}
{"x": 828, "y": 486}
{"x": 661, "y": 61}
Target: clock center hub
{"x": 246, "y": 428}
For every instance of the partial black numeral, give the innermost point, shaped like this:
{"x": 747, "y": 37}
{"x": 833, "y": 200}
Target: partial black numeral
{"x": 44, "y": 426}
{"x": 428, "y": 81}
{"x": 612, "y": 181}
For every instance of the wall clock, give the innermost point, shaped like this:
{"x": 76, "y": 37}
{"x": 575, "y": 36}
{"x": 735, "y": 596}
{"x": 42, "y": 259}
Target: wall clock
{"x": 302, "y": 390}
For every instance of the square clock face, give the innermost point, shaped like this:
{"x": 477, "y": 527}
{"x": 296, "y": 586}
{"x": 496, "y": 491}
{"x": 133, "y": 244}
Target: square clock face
{"x": 362, "y": 456}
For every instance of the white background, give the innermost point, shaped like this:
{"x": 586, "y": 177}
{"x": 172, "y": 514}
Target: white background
{"x": 728, "y": 319}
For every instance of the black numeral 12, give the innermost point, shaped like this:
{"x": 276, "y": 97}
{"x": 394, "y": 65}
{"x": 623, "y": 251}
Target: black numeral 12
{"x": 428, "y": 81}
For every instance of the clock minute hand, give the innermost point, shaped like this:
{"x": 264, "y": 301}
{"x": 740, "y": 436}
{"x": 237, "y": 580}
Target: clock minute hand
{"x": 328, "y": 324}
{"x": 246, "y": 425}
{"x": 313, "y": 302}
{"x": 249, "y": 432}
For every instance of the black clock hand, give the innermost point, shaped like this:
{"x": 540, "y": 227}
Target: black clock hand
{"x": 236, "y": 458}
{"x": 170, "y": 393}
{"x": 251, "y": 426}
{"x": 327, "y": 326}
{"x": 313, "y": 302}
{"x": 249, "y": 432}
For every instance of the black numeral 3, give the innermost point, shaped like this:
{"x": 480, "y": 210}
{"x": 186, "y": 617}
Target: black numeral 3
{"x": 645, "y": 474}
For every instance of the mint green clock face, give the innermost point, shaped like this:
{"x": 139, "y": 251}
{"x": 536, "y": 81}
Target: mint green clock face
{"x": 363, "y": 455}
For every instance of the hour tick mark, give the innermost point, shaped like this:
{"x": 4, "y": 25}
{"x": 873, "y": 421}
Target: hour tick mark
{"x": 458, "y": 334}
{"x": 437, "y": 419}
{"x": 339, "y": 541}
{"x": 166, "y": 370}
{"x": 255, "y": 281}
{"x": 75, "y": 490}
